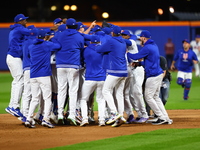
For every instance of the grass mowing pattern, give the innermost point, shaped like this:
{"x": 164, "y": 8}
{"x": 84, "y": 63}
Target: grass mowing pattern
{"x": 164, "y": 139}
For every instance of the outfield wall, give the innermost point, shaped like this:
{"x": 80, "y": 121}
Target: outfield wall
{"x": 160, "y": 31}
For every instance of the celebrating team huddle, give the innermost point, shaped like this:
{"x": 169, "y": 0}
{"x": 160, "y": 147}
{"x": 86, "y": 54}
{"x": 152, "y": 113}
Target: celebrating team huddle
{"x": 62, "y": 69}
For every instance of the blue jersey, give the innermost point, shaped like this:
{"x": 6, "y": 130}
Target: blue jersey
{"x": 40, "y": 53}
{"x": 26, "y": 57}
{"x": 72, "y": 43}
{"x": 150, "y": 53}
{"x": 16, "y": 38}
{"x": 93, "y": 63}
{"x": 185, "y": 59}
{"x": 115, "y": 47}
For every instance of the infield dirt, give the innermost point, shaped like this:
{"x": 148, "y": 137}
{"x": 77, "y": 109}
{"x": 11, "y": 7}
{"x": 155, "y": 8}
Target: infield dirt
{"x": 13, "y": 135}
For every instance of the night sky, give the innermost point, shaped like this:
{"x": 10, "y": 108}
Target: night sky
{"x": 119, "y": 10}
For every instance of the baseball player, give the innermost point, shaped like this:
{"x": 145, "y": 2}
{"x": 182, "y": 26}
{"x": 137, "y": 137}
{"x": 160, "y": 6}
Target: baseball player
{"x": 117, "y": 73}
{"x": 94, "y": 80}
{"x": 186, "y": 58}
{"x": 195, "y": 44}
{"x": 40, "y": 72}
{"x": 14, "y": 62}
{"x": 68, "y": 64}
{"x": 136, "y": 81}
{"x": 26, "y": 97}
{"x": 153, "y": 74}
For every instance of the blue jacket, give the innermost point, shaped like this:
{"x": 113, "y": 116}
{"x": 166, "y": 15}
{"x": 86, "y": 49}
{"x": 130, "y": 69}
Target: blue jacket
{"x": 93, "y": 61}
{"x": 16, "y": 38}
{"x": 40, "y": 53}
{"x": 150, "y": 53}
{"x": 72, "y": 43}
{"x": 185, "y": 60}
{"x": 26, "y": 56}
{"x": 104, "y": 38}
{"x": 115, "y": 47}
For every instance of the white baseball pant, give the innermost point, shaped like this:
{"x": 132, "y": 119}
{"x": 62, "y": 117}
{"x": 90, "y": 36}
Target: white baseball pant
{"x": 110, "y": 83}
{"x": 40, "y": 88}
{"x": 16, "y": 70}
{"x": 26, "y": 97}
{"x": 127, "y": 104}
{"x": 152, "y": 90}
{"x": 136, "y": 92}
{"x": 68, "y": 76}
{"x": 87, "y": 89}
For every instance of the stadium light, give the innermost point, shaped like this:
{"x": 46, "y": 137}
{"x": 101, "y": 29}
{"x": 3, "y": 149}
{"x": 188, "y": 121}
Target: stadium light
{"x": 171, "y": 9}
{"x": 160, "y": 11}
{"x": 73, "y": 7}
{"x": 105, "y": 15}
{"x": 53, "y": 8}
{"x": 66, "y": 7}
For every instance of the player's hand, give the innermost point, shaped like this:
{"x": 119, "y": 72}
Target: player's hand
{"x": 172, "y": 67}
{"x": 93, "y": 24}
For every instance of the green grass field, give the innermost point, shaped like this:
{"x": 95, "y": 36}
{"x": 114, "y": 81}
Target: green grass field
{"x": 169, "y": 139}
{"x": 175, "y": 100}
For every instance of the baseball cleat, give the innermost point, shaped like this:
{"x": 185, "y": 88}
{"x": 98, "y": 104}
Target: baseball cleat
{"x": 113, "y": 118}
{"x": 29, "y": 124}
{"x": 72, "y": 121}
{"x": 84, "y": 122}
{"x": 8, "y": 110}
{"x": 16, "y": 112}
{"x": 38, "y": 120}
{"x": 141, "y": 120}
{"x": 159, "y": 122}
{"x": 47, "y": 124}
{"x": 101, "y": 123}
{"x": 119, "y": 122}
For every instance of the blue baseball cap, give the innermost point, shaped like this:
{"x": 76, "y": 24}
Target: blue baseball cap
{"x": 96, "y": 28}
{"x": 107, "y": 30}
{"x": 80, "y": 25}
{"x": 34, "y": 32}
{"x": 117, "y": 30}
{"x": 71, "y": 22}
{"x": 42, "y": 32}
{"x": 62, "y": 27}
{"x": 95, "y": 39}
{"x": 57, "y": 20}
{"x": 186, "y": 40}
{"x": 126, "y": 32}
{"x": 145, "y": 34}
{"x": 31, "y": 27}
{"x": 51, "y": 32}
{"x": 20, "y": 17}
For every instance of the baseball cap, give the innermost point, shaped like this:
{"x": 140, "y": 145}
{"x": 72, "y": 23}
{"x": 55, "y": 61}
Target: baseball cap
{"x": 57, "y": 20}
{"x": 20, "y": 17}
{"x": 145, "y": 33}
{"x": 34, "y": 32}
{"x": 62, "y": 27}
{"x": 126, "y": 32}
{"x": 71, "y": 22}
{"x": 107, "y": 30}
{"x": 42, "y": 33}
{"x": 186, "y": 40}
{"x": 116, "y": 30}
{"x": 95, "y": 39}
{"x": 96, "y": 28}
{"x": 31, "y": 27}
{"x": 80, "y": 25}
{"x": 51, "y": 32}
